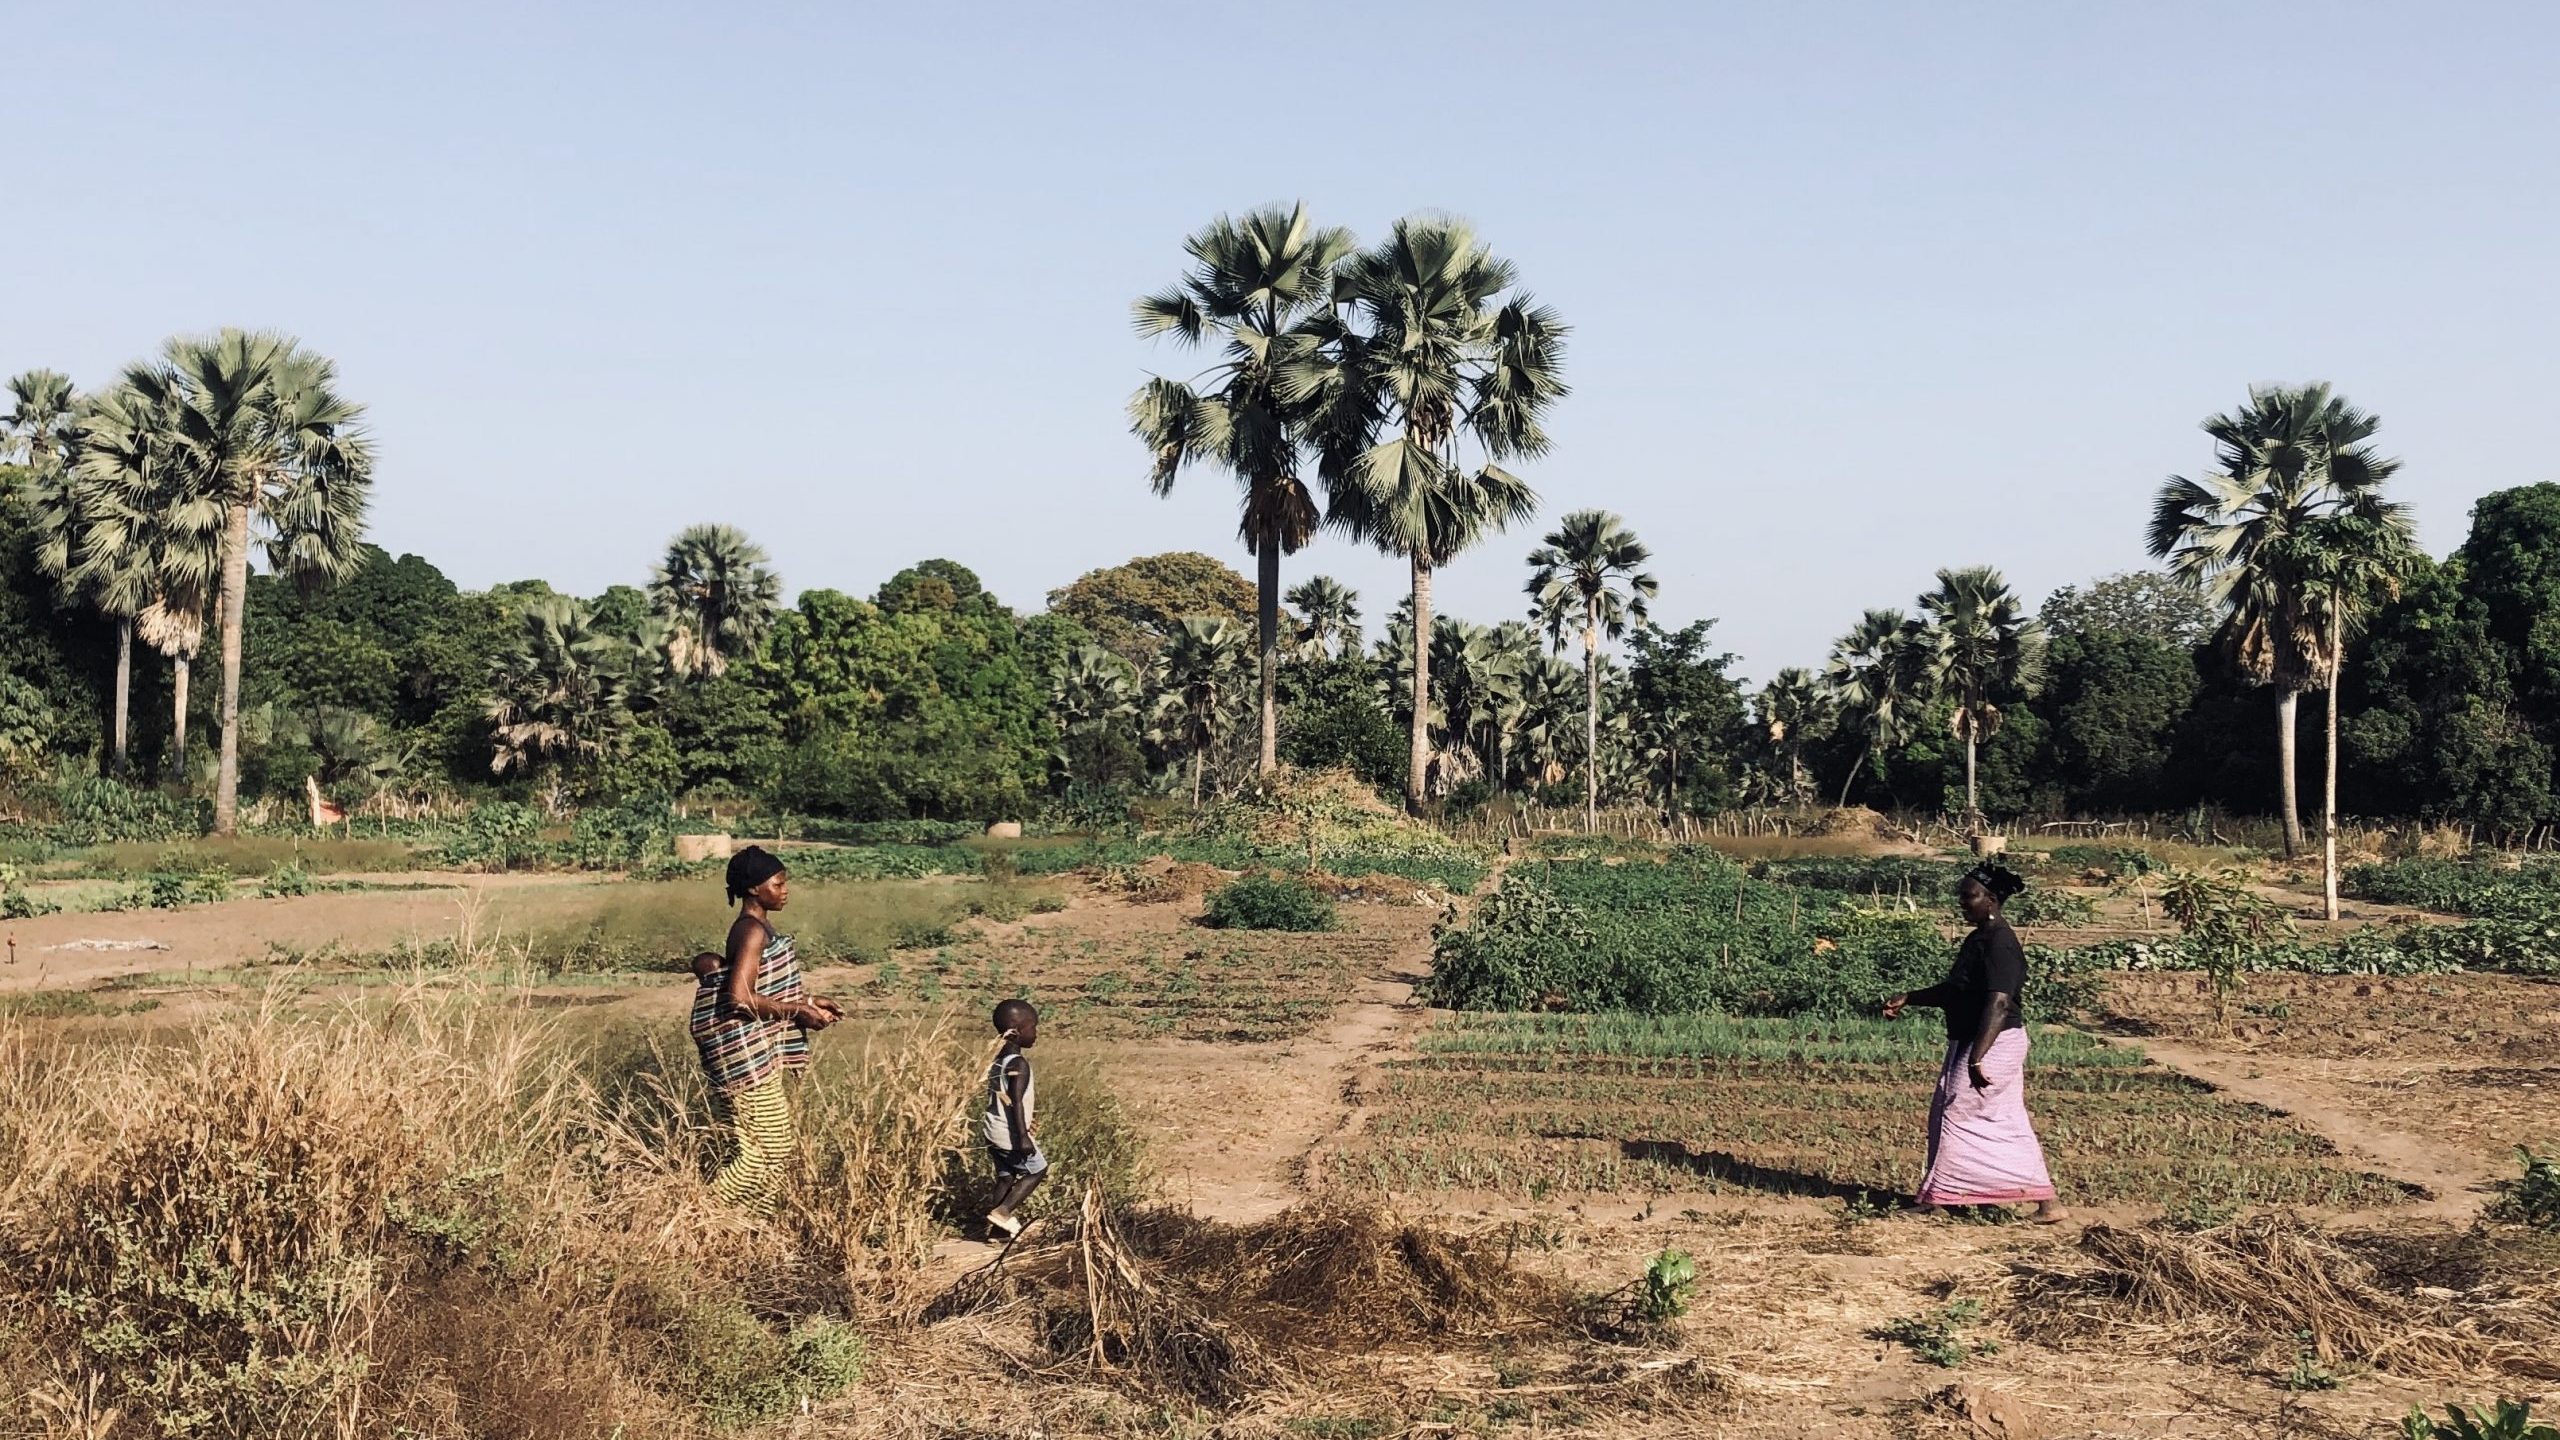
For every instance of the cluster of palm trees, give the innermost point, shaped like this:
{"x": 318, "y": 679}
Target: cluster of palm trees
{"x": 1398, "y": 378}
{"x": 562, "y": 693}
{"x": 147, "y": 496}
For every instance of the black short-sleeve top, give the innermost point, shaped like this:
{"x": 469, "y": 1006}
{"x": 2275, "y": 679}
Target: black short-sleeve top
{"x": 1991, "y": 959}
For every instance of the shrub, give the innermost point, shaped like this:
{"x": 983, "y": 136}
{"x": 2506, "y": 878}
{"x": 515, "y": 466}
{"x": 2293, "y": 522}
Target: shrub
{"x": 1662, "y": 1295}
{"x": 2057, "y": 909}
{"x": 285, "y": 880}
{"x": 1269, "y": 902}
{"x": 2512, "y": 1421}
{"x": 498, "y": 835}
{"x": 94, "y": 810}
{"x": 174, "y": 888}
{"x": 630, "y": 832}
{"x": 2532, "y": 1198}
{"x": 15, "y": 902}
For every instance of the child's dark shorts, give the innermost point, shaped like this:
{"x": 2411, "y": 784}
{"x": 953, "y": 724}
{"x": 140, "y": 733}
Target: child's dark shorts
{"x": 1015, "y": 1164}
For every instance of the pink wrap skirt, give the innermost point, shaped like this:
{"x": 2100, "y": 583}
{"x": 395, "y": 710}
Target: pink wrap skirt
{"x": 1982, "y": 1148}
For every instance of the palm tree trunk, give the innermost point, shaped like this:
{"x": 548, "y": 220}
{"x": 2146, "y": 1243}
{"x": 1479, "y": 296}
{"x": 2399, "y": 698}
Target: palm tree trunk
{"x": 2286, "y": 704}
{"x": 1854, "y": 767}
{"x": 1199, "y": 759}
{"x": 1421, "y": 748}
{"x": 124, "y": 689}
{"x": 1267, "y": 613}
{"x": 1972, "y": 804}
{"x": 1590, "y": 721}
{"x": 235, "y": 611}
{"x": 2329, "y": 796}
{"x": 178, "y": 669}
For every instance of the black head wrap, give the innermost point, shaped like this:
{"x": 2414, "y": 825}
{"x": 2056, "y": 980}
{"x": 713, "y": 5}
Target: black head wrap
{"x": 750, "y": 868}
{"x": 1997, "y": 878}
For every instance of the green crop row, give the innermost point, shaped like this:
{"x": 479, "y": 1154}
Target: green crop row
{"x": 2511, "y": 946}
{"x": 2462, "y": 887}
{"x": 1834, "y": 1040}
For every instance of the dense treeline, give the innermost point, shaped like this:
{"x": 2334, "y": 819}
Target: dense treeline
{"x": 1378, "y": 393}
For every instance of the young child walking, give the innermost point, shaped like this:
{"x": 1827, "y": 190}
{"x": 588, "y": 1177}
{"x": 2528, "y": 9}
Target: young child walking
{"x": 1011, "y": 1122}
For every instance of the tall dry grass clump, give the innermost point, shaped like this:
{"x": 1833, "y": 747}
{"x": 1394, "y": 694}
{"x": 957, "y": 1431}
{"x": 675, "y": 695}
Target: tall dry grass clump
{"x": 439, "y": 1214}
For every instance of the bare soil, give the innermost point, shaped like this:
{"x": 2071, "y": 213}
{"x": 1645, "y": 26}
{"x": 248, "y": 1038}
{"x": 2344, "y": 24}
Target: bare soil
{"x": 2430, "y": 1082}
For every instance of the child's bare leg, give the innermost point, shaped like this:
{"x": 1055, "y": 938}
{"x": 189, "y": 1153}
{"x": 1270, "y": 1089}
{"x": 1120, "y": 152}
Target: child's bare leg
{"x": 1011, "y": 1194}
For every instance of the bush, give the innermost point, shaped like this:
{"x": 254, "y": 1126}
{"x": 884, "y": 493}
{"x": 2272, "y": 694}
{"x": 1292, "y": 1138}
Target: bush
{"x": 498, "y": 835}
{"x": 1269, "y": 902}
{"x": 632, "y": 832}
{"x": 2461, "y": 887}
{"x": 2532, "y": 1198}
{"x": 288, "y": 879}
{"x": 94, "y": 810}
{"x": 1693, "y": 933}
{"x": 15, "y": 902}
{"x": 174, "y": 888}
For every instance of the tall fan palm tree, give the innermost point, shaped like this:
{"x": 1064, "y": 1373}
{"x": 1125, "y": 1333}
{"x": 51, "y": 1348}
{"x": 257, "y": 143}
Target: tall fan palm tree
{"x": 262, "y": 431}
{"x": 42, "y": 429}
{"x": 1200, "y": 686}
{"x": 158, "y": 535}
{"x": 1792, "y": 708}
{"x": 718, "y": 596}
{"x": 1328, "y": 618}
{"x": 2290, "y": 458}
{"x": 1977, "y": 639}
{"x": 1876, "y": 684}
{"x": 1252, "y": 281}
{"x": 1587, "y": 580}
{"x": 2353, "y": 564}
{"x": 1425, "y": 350}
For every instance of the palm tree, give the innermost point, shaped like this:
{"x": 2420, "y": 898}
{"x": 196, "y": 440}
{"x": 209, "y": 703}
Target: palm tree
{"x": 1586, "y": 579}
{"x": 2290, "y": 458}
{"x": 1977, "y": 640}
{"x": 718, "y": 596}
{"x": 263, "y": 432}
{"x": 1252, "y": 282}
{"x": 42, "y": 429}
{"x": 556, "y": 693}
{"x": 1094, "y": 695}
{"x": 1875, "y": 683}
{"x": 1792, "y": 709}
{"x": 159, "y": 536}
{"x": 1200, "y": 682}
{"x": 1422, "y": 351}
{"x": 1328, "y": 618}
{"x": 2353, "y": 563}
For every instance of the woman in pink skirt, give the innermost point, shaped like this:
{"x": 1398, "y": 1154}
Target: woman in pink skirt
{"x": 1982, "y": 1147}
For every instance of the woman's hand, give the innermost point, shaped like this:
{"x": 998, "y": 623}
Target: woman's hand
{"x": 1893, "y": 1007}
{"x": 834, "y": 1011}
{"x": 1973, "y": 1071}
{"x": 811, "y": 1017}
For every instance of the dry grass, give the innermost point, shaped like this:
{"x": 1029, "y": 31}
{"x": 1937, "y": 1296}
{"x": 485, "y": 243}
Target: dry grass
{"x": 1208, "y": 1312}
{"x": 440, "y": 1214}
{"x": 644, "y": 925}
{"x": 2250, "y": 1292}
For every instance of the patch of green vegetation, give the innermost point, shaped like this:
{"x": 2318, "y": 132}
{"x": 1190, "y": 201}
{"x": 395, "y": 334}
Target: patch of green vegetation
{"x": 2529, "y": 891}
{"x": 1938, "y": 1337}
{"x": 1269, "y": 902}
{"x": 2532, "y": 1198}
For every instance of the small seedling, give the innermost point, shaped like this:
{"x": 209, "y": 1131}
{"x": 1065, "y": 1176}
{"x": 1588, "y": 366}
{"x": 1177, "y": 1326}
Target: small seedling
{"x": 2308, "y": 1373}
{"x": 1937, "y": 1338}
{"x": 1663, "y": 1294}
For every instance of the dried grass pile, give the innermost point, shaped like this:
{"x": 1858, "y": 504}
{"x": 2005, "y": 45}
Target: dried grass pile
{"x": 1218, "y": 1312}
{"x": 2248, "y": 1292}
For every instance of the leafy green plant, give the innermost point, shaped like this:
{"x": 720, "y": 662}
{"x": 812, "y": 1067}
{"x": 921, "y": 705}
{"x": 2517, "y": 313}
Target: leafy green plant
{"x": 498, "y": 835}
{"x": 2059, "y": 909}
{"x": 2223, "y": 922}
{"x": 2512, "y": 1421}
{"x": 15, "y": 902}
{"x": 2308, "y": 1372}
{"x": 1938, "y": 1337}
{"x": 288, "y": 879}
{"x": 1662, "y": 1293}
{"x": 1269, "y": 902}
{"x": 2532, "y": 1198}
{"x": 630, "y": 832}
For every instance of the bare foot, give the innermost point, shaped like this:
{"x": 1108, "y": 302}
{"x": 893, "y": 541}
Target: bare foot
{"x": 2050, "y": 1213}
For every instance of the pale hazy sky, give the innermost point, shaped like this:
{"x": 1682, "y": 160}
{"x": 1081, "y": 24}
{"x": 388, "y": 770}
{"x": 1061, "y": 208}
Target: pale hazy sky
{"x": 1857, "y": 291}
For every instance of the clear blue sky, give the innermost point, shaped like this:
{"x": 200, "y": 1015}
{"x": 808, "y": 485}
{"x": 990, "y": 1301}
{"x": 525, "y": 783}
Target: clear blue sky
{"x": 1857, "y": 291}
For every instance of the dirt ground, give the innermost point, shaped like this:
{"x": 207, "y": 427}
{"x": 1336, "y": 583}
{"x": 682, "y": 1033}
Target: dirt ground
{"x": 2433, "y": 1083}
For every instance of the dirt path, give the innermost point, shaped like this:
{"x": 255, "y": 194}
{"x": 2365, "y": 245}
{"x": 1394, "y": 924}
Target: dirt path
{"x": 2316, "y": 1094}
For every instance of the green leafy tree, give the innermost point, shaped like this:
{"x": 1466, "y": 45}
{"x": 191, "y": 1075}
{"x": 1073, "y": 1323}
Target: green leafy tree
{"x": 1588, "y": 580}
{"x": 262, "y": 431}
{"x": 1877, "y": 680}
{"x": 2291, "y": 457}
{"x": 1251, "y": 283}
{"x": 1977, "y": 643}
{"x": 717, "y": 593}
{"x": 1331, "y": 715}
{"x": 2147, "y": 604}
{"x": 1431, "y": 345}
{"x": 1328, "y": 618}
{"x": 1689, "y": 708}
{"x": 155, "y": 542}
{"x": 2113, "y": 699}
{"x": 1132, "y": 609}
